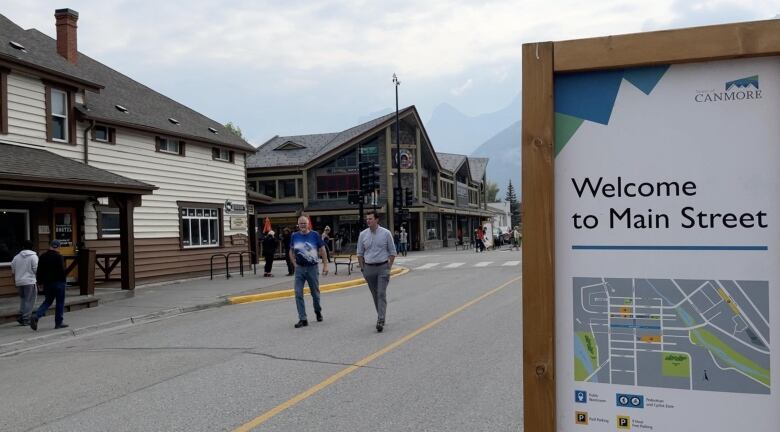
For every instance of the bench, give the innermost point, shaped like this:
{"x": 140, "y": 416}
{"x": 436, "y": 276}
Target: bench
{"x": 344, "y": 260}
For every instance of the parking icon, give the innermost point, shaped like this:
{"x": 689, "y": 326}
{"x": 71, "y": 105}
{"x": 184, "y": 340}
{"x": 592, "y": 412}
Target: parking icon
{"x": 623, "y": 422}
{"x": 580, "y": 396}
{"x": 581, "y": 417}
{"x": 630, "y": 401}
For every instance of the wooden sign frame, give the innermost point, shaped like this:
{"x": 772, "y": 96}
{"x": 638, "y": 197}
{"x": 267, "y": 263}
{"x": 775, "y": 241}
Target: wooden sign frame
{"x": 541, "y": 61}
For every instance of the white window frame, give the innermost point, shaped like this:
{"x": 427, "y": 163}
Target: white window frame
{"x": 108, "y": 133}
{"x": 185, "y": 216}
{"x": 102, "y": 227}
{"x": 26, "y": 226}
{"x": 168, "y": 142}
{"x": 222, "y": 152}
{"x": 62, "y": 116}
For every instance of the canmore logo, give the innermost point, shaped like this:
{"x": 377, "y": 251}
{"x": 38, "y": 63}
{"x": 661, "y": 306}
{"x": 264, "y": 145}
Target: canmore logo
{"x": 743, "y": 83}
{"x": 737, "y": 90}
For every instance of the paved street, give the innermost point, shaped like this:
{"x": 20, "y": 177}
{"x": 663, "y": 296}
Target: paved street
{"x": 449, "y": 360}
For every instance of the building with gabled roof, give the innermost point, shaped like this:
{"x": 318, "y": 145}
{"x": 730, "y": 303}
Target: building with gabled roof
{"x": 105, "y": 164}
{"x": 317, "y": 174}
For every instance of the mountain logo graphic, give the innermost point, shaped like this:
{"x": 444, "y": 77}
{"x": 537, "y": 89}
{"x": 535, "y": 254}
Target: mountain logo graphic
{"x": 743, "y": 83}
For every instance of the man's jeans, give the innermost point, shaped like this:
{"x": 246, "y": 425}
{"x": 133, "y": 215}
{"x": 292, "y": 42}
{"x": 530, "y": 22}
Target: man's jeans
{"x": 27, "y": 294}
{"x": 308, "y": 274}
{"x": 53, "y": 291}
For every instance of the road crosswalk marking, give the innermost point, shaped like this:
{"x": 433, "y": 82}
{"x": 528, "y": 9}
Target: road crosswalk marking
{"x": 511, "y": 263}
{"x": 427, "y": 266}
{"x": 454, "y": 265}
{"x": 483, "y": 264}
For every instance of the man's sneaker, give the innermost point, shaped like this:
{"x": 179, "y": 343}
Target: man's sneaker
{"x": 380, "y": 325}
{"x": 34, "y": 322}
{"x": 301, "y": 323}
{"x": 319, "y": 316}
{"x": 59, "y": 326}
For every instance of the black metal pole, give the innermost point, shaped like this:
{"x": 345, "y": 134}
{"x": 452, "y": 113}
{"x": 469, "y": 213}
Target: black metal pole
{"x": 398, "y": 205}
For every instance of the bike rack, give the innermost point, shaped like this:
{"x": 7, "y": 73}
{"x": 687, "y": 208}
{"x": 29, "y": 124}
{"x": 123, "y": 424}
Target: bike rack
{"x": 211, "y": 265}
{"x": 240, "y": 261}
{"x": 253, "y": 262}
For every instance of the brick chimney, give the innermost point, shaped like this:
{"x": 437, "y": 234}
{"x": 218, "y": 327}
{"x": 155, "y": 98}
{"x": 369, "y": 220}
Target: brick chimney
{"x": 66, "y": 33}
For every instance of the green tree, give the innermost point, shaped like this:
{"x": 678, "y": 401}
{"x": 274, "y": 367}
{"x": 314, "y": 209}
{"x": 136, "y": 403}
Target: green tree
{"x": 514, "y": 206}
{"x": 234, "y": 129}
{"x": 491, "y": 190}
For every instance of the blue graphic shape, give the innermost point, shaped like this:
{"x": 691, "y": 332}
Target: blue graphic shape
{"x": 588, "y": 95}
{"x": 743, "y": 83}
{"x": 580, "y": 396}
{"x": 645, "y": 79}
{"x": 629, "y": 400}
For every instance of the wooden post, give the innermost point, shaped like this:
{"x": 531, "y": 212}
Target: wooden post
{"x": 538, "y": 252}
{"x": 127, "y": 240}
{"x": 86, "y": 266}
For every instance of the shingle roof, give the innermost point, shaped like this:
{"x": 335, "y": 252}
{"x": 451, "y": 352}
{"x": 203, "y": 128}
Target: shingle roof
{"x": 146, "y": 107}
{"x": 315, "y": 145}
{"x": 450, "y": 161}
{"x": 25, "y": 162}
{"x": 477, "y": 166}
{"x": 34, "y": 55}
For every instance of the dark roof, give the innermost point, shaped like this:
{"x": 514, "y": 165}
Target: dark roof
{"x": 477, "y": 166}
{"x": 33, "y": 164}
{"x": 35, "y": 55}
{"x": 147, "y": 108}
{"x": 314, "y": 145}
{"x": 450, "y": 161}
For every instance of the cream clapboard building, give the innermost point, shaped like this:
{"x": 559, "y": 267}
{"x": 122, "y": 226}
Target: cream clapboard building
{"x": 102, "y": 162}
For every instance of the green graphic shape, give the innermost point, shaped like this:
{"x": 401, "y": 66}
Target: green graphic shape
{"x": 565, "y": 127}
{"x": 580, "y": 371}
{"x": 729, "y": 356}
{"x": 675, "y": 364}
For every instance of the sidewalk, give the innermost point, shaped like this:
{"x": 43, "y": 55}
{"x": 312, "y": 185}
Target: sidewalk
{"x": 149, "y": 302}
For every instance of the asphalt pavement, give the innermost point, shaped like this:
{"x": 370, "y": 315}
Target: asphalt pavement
{"x": 449, "y": 359}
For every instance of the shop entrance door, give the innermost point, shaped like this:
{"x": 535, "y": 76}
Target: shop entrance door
{"x": 66, "y": 231}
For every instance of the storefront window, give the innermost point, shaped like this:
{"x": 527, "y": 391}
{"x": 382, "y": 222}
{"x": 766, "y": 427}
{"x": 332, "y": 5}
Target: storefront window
{"x": 14, "y": 229}
{"x": 199, "y": 227}
{"x": 432, "y": 228}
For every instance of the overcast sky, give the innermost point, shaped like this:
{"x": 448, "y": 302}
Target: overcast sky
{"x": 293, "y": 67}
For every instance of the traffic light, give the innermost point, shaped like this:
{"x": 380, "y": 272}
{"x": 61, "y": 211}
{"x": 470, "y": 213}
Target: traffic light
{"x": 365, "y": 177}
{"x": 373, "y": 172}
{"x": 397, "y": 197}
{"x": 408, "y": 199}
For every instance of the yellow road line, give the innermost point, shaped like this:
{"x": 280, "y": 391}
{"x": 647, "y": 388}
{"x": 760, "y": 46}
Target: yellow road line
{"x": 362, "y": 362}
{"x": 336, "y": 286}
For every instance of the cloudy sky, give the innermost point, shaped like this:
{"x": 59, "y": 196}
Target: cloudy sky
{"x": 291, "y": 67}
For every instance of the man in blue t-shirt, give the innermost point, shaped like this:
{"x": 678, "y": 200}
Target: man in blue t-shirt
{"x": 305, "y": 246}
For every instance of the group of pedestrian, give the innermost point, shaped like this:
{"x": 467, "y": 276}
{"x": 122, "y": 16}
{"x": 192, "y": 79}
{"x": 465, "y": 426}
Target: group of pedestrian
{"x": 376, "y": 253}
{"x": 31, "y": 271}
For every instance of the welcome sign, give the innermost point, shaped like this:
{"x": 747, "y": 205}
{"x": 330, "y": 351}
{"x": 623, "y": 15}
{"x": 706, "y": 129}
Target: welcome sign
{"x": 651, "y": 284}
{"x": 667, "y": 239}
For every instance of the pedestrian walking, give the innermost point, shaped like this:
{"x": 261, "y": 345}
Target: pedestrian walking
{"x": 286, "y": 237}
{"x": 305, "y": 245}
{"x": 480, "y": 239}
{"x": 269, "y": 250}
{"x": 23, "y": 267}
{"x": 51, "y": 273}
{"x": 376, "y": 253}
{"x": 403, "y": 241}
{"x": 326, "y": 241}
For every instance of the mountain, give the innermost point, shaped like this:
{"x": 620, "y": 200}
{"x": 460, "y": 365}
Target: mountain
{"x": 503, "y": 149}
{"x": 454, "y": 132}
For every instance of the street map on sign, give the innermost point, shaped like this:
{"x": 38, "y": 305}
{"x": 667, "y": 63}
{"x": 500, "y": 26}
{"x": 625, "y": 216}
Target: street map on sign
{"x": 708, "y": 335}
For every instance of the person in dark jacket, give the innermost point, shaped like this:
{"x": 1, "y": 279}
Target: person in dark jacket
{"x": 51, "y": 274}
{"x": 286, "y": 237}
{"x": 269, "y": 249}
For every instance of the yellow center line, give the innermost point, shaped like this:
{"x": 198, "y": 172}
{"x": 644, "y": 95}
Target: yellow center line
{"x": 300, "y": 397}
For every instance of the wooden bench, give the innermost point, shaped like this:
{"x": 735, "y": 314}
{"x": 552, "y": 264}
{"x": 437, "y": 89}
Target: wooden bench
{"x": 345, "y": 260}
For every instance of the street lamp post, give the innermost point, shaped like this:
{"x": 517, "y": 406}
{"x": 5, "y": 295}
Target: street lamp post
{"x": 398, "y": 205}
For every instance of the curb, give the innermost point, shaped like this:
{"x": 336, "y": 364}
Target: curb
{"x": 336, "y": 286}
